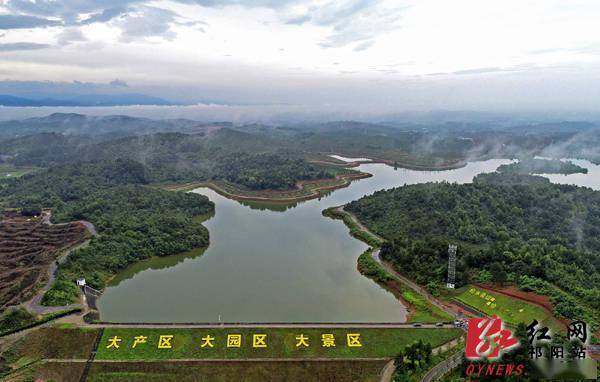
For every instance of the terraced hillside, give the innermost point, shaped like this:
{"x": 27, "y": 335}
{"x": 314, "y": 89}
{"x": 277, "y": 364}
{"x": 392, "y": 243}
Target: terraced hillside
{"x": 28, "y": 246}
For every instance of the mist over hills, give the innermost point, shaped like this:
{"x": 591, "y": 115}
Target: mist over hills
{"x": 82, "y": 100}
{"x": 79, "y": 124}
{"x": 60, "y": 137}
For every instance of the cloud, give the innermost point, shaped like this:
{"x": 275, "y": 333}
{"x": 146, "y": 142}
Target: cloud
{"x": 245, "y": 3}
{"x": 70, "y": 35}
{"x": 363, "y": 46}
{"x": 68, "y": 10}
{"x": 24, "y": 22}
{"x": 351, "y": 21}
{"x": 147, "y": 22}
{"x": 592, "y": 48}
{"x": 480, "y": 71}
{"x": 106, "y": 15}
{"x": 486, "y": 70}
{"x": 15, "y": 46}
{"x": 334, "y": 12}
{"x": 299, "y": 20}
{"x": 52, "y": 88}
{"x": 118, "y": 84}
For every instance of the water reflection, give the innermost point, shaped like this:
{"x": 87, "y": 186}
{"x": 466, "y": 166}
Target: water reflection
{"x": 271, "y": 263}
{"x": 591, "y": 179}
{"x": 154, "y": 263}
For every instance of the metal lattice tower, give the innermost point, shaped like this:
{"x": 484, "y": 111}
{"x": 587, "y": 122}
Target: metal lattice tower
{"x": 451, "y": 266}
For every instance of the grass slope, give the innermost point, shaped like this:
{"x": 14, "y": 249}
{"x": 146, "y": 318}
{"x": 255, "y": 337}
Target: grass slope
{"x": 511, "y": 310}
{"x": 334, "y": 371}
{"x": 281, "y": 343}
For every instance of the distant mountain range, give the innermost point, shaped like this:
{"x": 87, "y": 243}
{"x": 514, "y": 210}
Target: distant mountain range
{"x": 79, "y": 124}
{"x": 84, "y": 100}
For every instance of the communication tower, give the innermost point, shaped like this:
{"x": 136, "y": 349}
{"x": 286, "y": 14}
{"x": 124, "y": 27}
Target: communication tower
{"x": 451, "y": 266}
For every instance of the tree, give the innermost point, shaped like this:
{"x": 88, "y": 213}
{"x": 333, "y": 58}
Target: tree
{"x": 399, "y": 363}
{"x": 498, "y": 273}
{"x": 31, "y": 211}
{"x": 428, "y": 351}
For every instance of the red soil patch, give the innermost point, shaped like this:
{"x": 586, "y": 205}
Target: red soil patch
{"x": 28, "y": 246}
{"x": 512, "y": 291}
{"x": 533, "y": 298}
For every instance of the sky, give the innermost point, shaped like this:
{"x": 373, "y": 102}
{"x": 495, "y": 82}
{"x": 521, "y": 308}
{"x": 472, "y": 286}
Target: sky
{"x": 377, "y": 55}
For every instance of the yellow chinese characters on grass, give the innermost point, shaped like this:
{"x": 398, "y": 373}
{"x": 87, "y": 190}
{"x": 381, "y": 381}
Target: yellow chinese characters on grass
{"x": 259, "y": 340}
{"x": 139, "y": 340}
{"x": 354, "y": 340}
{"x": 208, "y": 342}
{"x": 328, "y": 340}
{"x": 234, "y": 340}
{"x": 164, "y": 342}
{"x": 301, "y": 340}
{"x": 114, "y": 342}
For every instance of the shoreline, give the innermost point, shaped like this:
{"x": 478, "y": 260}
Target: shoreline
{"x": 313, "y": 189}
{"x": 384, "y": 275}
{"x": 410, "y": 166}
{"x": 305, "y": 189}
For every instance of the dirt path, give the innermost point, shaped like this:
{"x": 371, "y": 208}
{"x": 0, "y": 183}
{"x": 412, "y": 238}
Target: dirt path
{"x": 412, "y": 285}
{"x": 358, "y": 223}
{"x": 34, "y": 304}
{"x": 90, "y": 227}
{"x": 387, "y": 374}
{"x": 388, "y": 267}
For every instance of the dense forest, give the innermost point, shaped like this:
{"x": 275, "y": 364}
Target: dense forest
{"x": 248, "y": 160}
{"x": 61, "y": 138}
{"x": 542, "y": 166}
{"x": 268, "y": 171}
{"x": 133, "y": 221}
{"x": 541, "y": 236}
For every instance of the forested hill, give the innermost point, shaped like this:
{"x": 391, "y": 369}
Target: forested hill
{"x": 523, "y": 230}
{"x": 542, "y": 166}
{"x": 134, "y": 221}
{"x": 250, "y": 160}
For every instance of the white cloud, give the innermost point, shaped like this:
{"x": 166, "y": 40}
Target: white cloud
{"x": 270, "y": 49}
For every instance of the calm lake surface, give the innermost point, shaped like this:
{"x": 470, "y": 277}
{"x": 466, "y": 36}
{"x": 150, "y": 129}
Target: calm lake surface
{"x": 269, "y": 263}
{"x": 591, "y": 179}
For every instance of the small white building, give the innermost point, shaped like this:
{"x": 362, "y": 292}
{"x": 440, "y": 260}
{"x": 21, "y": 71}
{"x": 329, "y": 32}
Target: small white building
{"x": 81, "y": 282}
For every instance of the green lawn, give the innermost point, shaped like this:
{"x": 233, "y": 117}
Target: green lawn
{"x": 281, "y": 343}
{"x": 511, "y": 310}
{"x": 334, "y": 371}
{"x": 423, "y": 311}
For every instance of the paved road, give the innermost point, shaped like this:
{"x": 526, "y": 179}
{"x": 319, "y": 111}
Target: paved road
{"x": 272, "y": 325}
{"x": 90, "y": 227}
{"x": 411, "y": 284}
{"x": 387, "y": 373}
{"x": 443, "y": 368}
{"x": 34, "y": 305}
{"x": 219, "y": 360}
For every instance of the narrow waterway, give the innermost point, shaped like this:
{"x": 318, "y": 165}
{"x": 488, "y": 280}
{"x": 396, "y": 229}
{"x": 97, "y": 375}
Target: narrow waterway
{"x": 591, "y": 179}
{"x": 270, "y": 264}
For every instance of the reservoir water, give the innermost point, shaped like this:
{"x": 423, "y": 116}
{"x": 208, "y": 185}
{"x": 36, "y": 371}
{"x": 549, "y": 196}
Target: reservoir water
{"x": 269, "y": 263}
